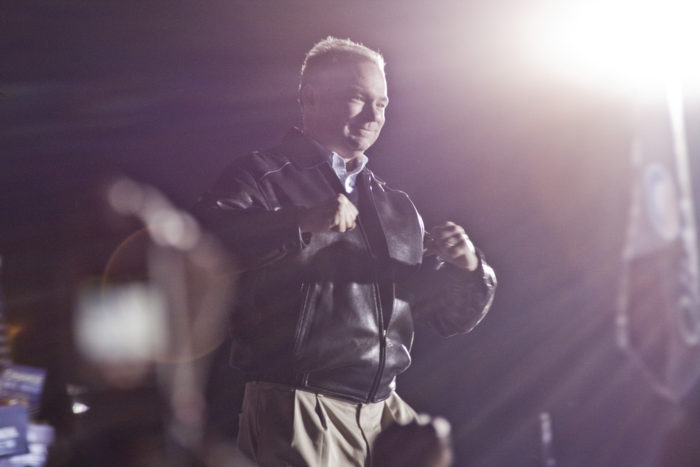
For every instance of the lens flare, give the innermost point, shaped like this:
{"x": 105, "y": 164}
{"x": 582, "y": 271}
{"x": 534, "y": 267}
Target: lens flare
{"x": 634, "y": 45}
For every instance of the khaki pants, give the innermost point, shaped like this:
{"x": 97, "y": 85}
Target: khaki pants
{"x": 284, "y": 426}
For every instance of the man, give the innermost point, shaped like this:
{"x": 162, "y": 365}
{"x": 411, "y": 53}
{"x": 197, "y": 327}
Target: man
{"x": 337, "y": 266}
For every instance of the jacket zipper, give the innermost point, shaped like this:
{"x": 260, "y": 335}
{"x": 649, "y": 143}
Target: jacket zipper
{"x": 305, "y": 292}
{"x": 380, "y": 323}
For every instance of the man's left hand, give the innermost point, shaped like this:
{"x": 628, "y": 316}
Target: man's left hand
{"x": 451, "y": 243}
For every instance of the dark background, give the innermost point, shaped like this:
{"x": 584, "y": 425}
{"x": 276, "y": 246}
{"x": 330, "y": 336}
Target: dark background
{"x": 535, "y": 167}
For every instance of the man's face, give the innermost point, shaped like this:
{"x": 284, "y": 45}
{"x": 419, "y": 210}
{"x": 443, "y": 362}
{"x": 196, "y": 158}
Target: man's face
{"x": 344, "y": 108}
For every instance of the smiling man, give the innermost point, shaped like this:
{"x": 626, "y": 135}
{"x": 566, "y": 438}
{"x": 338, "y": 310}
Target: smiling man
{"x": 337, "y": 267}
{"x": 343, "y": 104}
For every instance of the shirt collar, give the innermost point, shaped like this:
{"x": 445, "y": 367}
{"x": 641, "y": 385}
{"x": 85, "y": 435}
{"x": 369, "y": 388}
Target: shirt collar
{"x": 340, "y": 165}
{"x": 347, "y": 178}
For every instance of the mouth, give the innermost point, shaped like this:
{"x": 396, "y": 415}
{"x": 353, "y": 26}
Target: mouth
{"x": 363, "y": 131}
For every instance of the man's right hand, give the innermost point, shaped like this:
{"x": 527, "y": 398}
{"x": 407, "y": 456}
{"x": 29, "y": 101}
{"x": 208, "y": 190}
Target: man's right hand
{"x": 337, "y": 214}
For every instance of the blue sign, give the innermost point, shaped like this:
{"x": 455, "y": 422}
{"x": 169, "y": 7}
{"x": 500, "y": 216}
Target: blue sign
{"x": 23, "y": 384}
{"x": 13, "y": 430}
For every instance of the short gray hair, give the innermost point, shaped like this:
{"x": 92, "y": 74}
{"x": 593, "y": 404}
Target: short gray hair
{"x": 331, "y": 51}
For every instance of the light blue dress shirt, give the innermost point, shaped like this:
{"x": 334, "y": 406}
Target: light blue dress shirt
{"x": 347, "y": 178}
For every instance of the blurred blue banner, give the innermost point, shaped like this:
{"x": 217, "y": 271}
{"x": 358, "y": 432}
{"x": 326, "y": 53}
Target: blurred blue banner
{"x": 658, "y": 316}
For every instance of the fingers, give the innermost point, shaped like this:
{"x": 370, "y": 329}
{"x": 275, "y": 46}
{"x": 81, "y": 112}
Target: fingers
{"x": 449, "y": 234}
{"x": 337, "y": 214}
{"x": 344, "y": 214}
{"x": 450, "y": 242}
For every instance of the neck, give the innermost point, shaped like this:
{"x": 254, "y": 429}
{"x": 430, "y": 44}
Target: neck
{"x": 351, "y": 158}
{"x": 352, "y": 163}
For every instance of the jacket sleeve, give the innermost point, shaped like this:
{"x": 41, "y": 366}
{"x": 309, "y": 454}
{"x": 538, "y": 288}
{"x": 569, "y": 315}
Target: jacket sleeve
{"x": 256, "y": 230}
{"x": 449, "y": 299}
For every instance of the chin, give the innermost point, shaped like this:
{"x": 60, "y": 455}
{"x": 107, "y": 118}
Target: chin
{"x": 361, "y": 144}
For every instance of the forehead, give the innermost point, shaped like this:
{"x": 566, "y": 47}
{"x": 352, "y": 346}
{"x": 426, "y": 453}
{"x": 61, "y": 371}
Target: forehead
{"x": 364, "y": 74}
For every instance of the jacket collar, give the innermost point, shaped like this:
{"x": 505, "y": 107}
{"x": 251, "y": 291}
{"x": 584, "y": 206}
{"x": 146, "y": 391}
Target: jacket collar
{"x": 303, "y": 151}
{"x": 399, "y": 223}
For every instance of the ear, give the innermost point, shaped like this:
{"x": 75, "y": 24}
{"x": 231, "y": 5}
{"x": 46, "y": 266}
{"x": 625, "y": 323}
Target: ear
{"x": 307, "y": 96}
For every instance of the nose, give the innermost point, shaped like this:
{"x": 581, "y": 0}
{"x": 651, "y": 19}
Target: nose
{"x": 374, "y": 113}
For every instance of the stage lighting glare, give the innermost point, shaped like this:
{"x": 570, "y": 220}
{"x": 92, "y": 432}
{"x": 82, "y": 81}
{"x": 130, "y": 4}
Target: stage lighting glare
{"x": 167, "y": 226}
{"x": 79, "y": 408}
{"x": 639, "y": 45}
{"x": 126, "y": 197}
{"x": 122, "y": 324}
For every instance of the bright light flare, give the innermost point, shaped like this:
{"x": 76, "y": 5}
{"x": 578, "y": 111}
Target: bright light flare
{"x": 639, "y": 45}
{"x": 122, "y": 324}
{"x": 79, "y": 408}
{"x": 168, "y": 226}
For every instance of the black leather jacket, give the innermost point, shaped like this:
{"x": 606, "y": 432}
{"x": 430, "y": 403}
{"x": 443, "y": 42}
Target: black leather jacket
{"x": 331, "y": 312}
